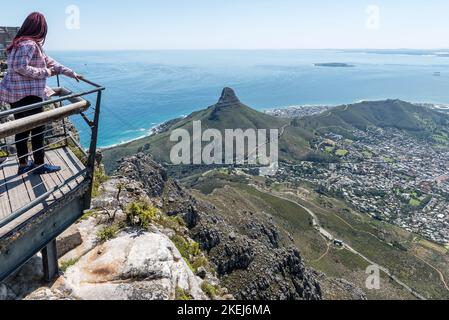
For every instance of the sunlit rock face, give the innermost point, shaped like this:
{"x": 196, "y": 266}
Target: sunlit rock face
{"x": 134, "y": 266}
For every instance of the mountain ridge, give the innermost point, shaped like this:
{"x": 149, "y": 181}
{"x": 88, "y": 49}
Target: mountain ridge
{"x": 227, "y": 113}
{"x": 388, "y": 113}
{"x": 297, "y": 137}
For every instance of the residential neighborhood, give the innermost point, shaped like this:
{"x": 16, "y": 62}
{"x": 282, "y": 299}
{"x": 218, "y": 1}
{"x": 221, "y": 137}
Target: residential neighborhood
{"x": 387, "y": 174}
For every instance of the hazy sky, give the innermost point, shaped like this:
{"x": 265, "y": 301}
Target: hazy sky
{"x": 238, "y": 24}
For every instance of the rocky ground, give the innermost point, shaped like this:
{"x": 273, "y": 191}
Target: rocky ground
{"x": 135, "y": 265}
{"x": 251, "y": 262}
{"x": 105, "y": 256}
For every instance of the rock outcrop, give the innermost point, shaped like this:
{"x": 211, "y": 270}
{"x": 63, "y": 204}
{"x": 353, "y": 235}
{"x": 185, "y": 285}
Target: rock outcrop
{"x": 249, "y": 258}
{"x": 105, "y": 257}
{"x": 339, "y": 289}
{"x": 150, "y": 174}
{"x": 228, "y": 98}
{"x": 134, "y": 266}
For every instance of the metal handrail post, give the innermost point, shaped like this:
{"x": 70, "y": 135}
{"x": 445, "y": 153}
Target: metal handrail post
{"x": 58, "y": 82}
{"x": 93, "y": 151}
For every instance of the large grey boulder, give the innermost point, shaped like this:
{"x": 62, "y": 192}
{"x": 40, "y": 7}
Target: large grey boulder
{"x": 68, "y": 241}
{"x": 135, "y": 266}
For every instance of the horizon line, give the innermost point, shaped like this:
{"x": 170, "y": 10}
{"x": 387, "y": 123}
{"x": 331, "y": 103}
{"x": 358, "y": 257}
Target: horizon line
{"x": 246, "y": 49}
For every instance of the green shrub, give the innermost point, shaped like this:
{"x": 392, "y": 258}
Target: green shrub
{"x": 88, "y": 214}
{"x": 141, "y": 213}
{"x": 191, "y": 253}
{"x": 174, "y": 223}
{"x": 199, "y": 262}
{"x": 210, "y": 290}
{"x": 99, "y": 178}
{"x": 181, "y": 294}
{"x": 194, "y": 248}
{"x": 189, "y": 264}
{"x": 187, "y": 249}
{"x": 67, "y": 264}
{"x": 107, "y": 233}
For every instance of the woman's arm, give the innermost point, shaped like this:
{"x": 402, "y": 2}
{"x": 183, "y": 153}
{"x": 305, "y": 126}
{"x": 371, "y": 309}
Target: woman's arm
{"x": 59, "y": 68}
{"x": 21, "y": 63}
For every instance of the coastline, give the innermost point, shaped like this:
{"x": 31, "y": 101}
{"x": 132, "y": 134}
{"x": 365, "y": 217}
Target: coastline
{"x": 150, "y": 133}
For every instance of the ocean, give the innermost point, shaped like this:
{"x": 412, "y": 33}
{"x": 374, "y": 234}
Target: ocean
{"x": 146, "y": 88}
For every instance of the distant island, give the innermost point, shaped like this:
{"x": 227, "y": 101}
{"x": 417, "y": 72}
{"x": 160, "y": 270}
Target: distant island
{"x": 410, "y": 52}
{"x": 334, "y": 65}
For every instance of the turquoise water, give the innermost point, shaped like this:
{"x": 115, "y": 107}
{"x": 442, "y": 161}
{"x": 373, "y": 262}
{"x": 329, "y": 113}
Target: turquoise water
{"x": 146, "y": 88}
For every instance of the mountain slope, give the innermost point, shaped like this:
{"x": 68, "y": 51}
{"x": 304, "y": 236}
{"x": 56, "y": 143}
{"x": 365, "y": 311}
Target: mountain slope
{"x": 239, "y": 198}
{"x": 227, "y": 113}
{"x": 416, "y": 120}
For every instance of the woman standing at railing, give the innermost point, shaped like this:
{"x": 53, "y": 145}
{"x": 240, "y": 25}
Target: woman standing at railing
{"x": 25, "y": 84}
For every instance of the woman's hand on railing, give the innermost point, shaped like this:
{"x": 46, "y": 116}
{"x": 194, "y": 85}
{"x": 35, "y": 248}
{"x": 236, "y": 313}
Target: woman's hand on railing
{"x": 53, "y": 72}
{"x": 78, "y": 77}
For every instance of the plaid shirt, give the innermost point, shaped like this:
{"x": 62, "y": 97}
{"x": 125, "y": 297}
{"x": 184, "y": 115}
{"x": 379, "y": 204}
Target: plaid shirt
{"x": 28, "y": 70}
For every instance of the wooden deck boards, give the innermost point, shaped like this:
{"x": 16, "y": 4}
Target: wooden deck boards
{"x": 18, "y": 191}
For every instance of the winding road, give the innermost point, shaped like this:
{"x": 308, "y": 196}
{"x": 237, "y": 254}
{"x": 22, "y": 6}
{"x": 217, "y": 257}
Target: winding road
{"x": 326, "y": 234}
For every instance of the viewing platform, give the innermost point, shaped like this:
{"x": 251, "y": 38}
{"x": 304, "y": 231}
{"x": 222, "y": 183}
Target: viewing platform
{"x": 17, "y": 191}
{"x": 35, "y": 209}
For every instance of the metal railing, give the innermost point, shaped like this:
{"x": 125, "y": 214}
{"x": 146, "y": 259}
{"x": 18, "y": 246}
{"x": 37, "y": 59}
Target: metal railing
{"x": 59, "y": 135}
